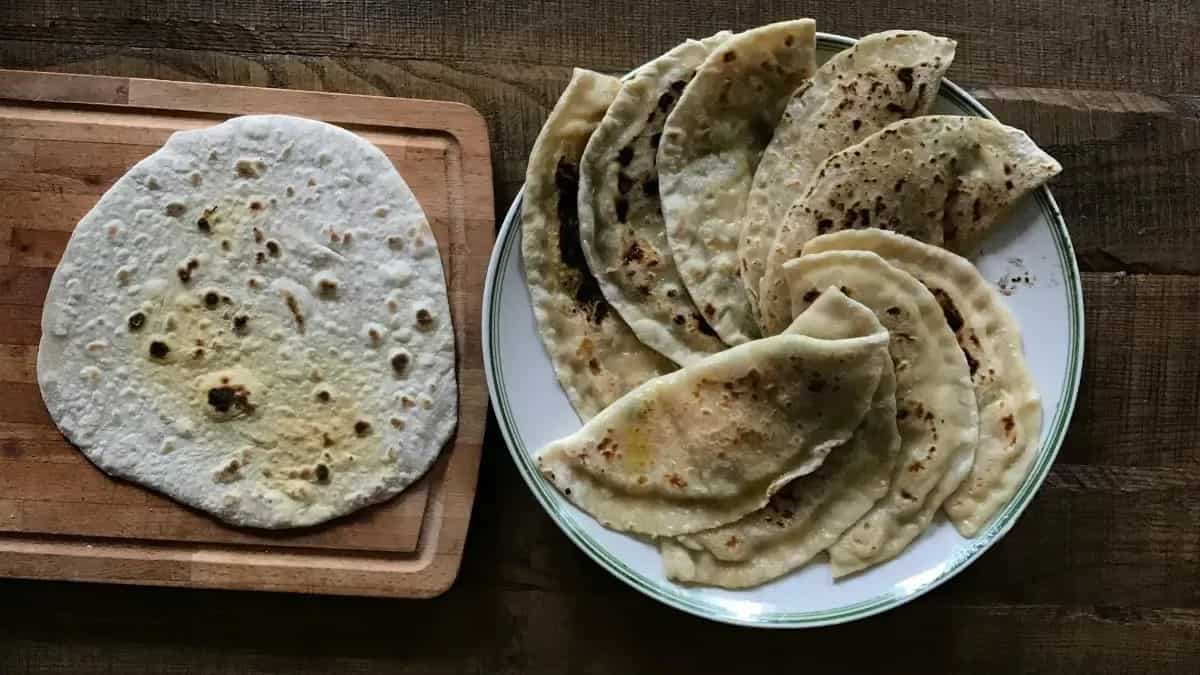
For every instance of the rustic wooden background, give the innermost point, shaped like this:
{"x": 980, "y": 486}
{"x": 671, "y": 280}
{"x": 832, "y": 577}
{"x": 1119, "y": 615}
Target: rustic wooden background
{"x": 1102, "y": 574}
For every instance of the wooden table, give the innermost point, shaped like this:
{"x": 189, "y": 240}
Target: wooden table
{"x": 1102, "y": 574}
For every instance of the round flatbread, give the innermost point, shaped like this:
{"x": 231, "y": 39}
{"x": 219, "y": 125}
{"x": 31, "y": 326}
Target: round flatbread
{"x": 254, "y": 321}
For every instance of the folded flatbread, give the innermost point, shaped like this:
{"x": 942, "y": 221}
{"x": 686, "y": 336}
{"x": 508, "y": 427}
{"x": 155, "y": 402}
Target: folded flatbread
{"x": 941, "y": 179}
{"x": 710, "y": 148}
{"x": 883, "y": 78}
{"x": 595, "y": 354}
{"x": 711, "y": 442}
{"x": 620, "y": 215}
{"x": 809, "y": 513}
{"x": 935, "y": 401}
{"x": 1010, "y": 410}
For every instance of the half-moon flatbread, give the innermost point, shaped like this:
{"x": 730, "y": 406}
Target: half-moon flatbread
{"x": 254, "y": 321}
{"x": 595, "y": 354}
{"x": 620, "y": 215}
{"x": 1010, "y": 410}
{"x": 884, "y": 77}
{"x": 941, "y": 179}
{"x": 935, "y": 401}
{"x": 808, "y": 514}
{"x": 710, "y": 148}
{"x": 711, "y": 442}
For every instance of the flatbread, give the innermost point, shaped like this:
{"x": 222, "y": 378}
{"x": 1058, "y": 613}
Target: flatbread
{"x": 810, "y": 513}
{"x": 1010, "y": 410}
{"x": 935, "y": 401}
{"x": 620, "y": 216}
{"x": 941, "y": 179}
{"x": 254, "y": 321}
{"x": 707, "y": 444}
{"x": 710, "y": 148}
{"x": 884, "y": 77}
{"x": 595, "y": 354}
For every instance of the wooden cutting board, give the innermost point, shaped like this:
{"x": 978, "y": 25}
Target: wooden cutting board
{"x": 64, "y": 139}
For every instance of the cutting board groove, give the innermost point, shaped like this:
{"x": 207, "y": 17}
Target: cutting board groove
{"x": 65, "y": 140}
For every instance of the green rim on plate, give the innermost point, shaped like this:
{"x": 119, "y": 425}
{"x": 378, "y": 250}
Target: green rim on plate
{"x": 671, "y": 595}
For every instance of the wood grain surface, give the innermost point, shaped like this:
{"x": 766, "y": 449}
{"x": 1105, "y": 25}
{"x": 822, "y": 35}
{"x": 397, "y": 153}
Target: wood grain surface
{"x": 1101, "y": 574}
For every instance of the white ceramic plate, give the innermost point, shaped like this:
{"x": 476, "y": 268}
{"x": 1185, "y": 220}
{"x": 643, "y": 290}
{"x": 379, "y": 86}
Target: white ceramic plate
{"x": 1029, "y": 256}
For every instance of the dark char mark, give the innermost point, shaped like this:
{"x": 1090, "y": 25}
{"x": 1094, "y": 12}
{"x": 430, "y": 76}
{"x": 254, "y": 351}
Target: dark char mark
{"x": 955, "y": 321}
{"x": 570, "y": 251}
{"x": 624, "y": 183}
{"x": 953, "y": 317}
{"x": 621, "y": 205}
